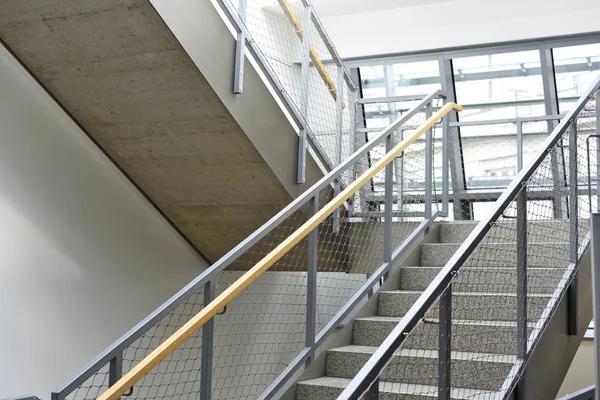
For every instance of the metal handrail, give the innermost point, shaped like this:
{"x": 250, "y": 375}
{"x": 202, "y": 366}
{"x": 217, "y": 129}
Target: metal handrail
{"x": 115, "y": 350}
{"x": 208, "y": 312}
{"x": 370, "y": 372}
{"x": 584, "y": 394}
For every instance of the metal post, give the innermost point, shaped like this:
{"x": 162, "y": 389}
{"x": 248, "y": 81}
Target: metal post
{"x": 340, "y": 113}
{"x": 522, "y": 274}
{"x": 115, "y": 371}
{"x": 456, "y": 162}
{"x": 428, "y": 165}
{"x": 595, "y": 244}
{"x": 445, "y": 167}
{"x": 597, "y": 152}
{"x": 445, "y": 345}
{"x": 389, "y": 204}
{"x": 240, "y": 46}
{"x": 337, "y": 186}
{"x": 311, "y": 280}
{"x": 574, "y": 231}
{"x": 303, "y": 140}
{"x": 519, "y": 145}
{"x": 551, "y": 104}
{"x": 208, "y": 332}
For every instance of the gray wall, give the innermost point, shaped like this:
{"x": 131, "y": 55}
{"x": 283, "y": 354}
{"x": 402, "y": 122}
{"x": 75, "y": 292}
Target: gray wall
{"x": 84, "y": 255}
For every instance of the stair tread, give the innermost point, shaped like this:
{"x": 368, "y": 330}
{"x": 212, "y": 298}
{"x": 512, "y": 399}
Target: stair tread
{"x": 401, "y": 388}
{"x": 377, "y": 318}
{"x": 485, "y": 294}
{"x": 456, "y": 355}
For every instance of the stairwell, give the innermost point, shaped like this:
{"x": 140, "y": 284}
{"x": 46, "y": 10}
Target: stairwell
{"x": 483, "y": 326}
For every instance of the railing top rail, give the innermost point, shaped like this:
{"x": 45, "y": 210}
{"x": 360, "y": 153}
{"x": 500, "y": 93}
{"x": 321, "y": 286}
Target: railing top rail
{"x": 516, "y": 120}
{"x": 230, "y": 293}
{"x": 371, "y": 370}
{"x": 391, "y": 99}
{"x": 211, "y": 273}
{"x": 583, "y": 394}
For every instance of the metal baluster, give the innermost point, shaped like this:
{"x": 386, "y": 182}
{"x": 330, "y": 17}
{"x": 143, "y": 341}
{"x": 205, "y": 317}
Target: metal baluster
{"x": 303, "y": 140}
{"x": 240, "y": 47}
{"x": 311, "y": 281}
{"x": 519, "y": 145}
{"x": 573, "y": 292}
{"x": 388, "y": 204}
{"x": 522, "y": 284}
{"x": 445, "y": 166}
{"x": 208, "y": 331}
{"x": 595, "y": 245}
{"x": 428, "y": 164}
{"x": 445, "y": 345}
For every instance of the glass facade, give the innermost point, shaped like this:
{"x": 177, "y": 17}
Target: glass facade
{"x": 491, "y": 85}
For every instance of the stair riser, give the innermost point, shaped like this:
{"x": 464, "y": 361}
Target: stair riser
{"x": 549, "y": 255}
{"x": 422, "y": 371}
{"x": 474, "y": 307}
{"x": 551, "y": 231}
{"x": 322, "y": 392}
{"x": 469, "y": 338}
{"x": 539, "y": 280}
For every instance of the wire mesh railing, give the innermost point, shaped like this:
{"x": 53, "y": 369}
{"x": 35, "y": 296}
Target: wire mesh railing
{"x": 278, "y": 320}
{"x": 291, "y": 46}
{"x": 472, "y": 331}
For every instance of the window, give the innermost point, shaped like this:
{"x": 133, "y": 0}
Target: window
{"x": 576, "y": 67}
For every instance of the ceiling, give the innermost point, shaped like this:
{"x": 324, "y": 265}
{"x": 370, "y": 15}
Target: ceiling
{"x": 331, "y": 8}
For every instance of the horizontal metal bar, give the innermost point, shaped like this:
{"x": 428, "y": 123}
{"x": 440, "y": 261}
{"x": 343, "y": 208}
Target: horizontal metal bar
{"x": 381, "y": 214}
{"x": 371, "y": 370}
{"x": 500, "y": 104}
{"x": 508, "y": 120}
{"x": 390, "y": 99}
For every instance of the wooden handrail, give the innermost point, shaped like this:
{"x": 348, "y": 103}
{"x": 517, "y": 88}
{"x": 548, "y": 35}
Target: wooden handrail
{"x": 314, "y": 57}
{"x": 208, "y": 312}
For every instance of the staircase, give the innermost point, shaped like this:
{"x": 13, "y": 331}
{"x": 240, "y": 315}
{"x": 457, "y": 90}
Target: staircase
{"x": 484, "y": 305}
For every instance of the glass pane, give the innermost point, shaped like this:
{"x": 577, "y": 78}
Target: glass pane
{"x": 576, "y": 67}
{"x": 496, "y": 87}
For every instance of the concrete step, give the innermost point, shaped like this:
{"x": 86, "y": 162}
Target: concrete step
{"x": 481, "y": 279}
{"x": 548, "y": 255}
{"x": 474, "y": 306}
{"x": 497, "y": 337}
{"x": 328, "y": 388}
{"x": 420, "y": 367}
{"x": 541, "y": 231}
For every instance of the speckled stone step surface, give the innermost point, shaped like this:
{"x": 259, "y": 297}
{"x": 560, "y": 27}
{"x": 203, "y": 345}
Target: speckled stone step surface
{"x": 492, "y": 279}
{"x": 547, "y": 254}
{"x": 328, "y": 388}
{"x": 547, "y": 231}
{"x": 469, "y": 370}
{"x": 476, "y": 306}
{"x": 497, "y": 337}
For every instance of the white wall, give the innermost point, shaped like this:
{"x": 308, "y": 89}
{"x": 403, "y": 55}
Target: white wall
{"x": 581, "y": 372}
{"x": 457, "y": 23}
{"x": 84, "y": 256}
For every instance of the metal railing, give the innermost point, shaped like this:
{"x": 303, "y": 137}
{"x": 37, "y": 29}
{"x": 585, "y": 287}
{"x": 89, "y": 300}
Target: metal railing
{"x": 298, "y": 59}
{"x": 321, "y": 264}
{"x": 588, "y": 393}
{"x": 540, "y": 243}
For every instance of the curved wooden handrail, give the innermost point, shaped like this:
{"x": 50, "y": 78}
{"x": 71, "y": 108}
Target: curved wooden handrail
{"x": 208, "y": 312}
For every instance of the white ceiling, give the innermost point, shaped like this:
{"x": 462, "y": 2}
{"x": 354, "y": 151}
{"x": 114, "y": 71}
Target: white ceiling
{"x": 331, "y": 8}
